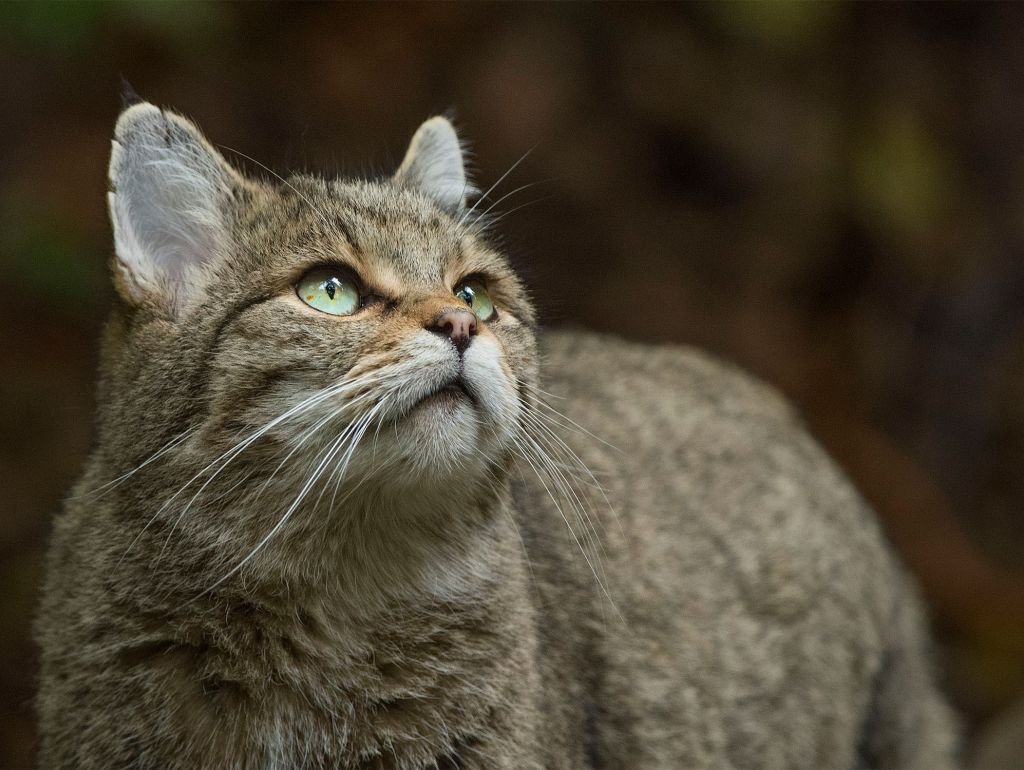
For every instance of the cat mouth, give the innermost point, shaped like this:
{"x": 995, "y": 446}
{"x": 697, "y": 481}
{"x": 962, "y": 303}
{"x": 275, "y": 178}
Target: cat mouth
{"x": 449, "y": 393}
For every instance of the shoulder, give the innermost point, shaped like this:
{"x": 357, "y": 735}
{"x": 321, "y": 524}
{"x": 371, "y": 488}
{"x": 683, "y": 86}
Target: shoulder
{"x": 588, "y": 366}
{"x": 716, "y": 467}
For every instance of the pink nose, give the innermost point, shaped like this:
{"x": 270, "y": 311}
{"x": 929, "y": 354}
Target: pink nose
{"x": 458, "y": 325}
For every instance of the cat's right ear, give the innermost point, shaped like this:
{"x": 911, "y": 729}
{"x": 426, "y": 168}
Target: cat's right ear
{"x": 169, "y": 196}
{"x": 434, "y": 165}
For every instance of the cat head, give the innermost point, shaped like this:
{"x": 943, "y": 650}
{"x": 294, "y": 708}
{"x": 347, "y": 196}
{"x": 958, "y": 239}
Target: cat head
{"x": 301, "y": 335}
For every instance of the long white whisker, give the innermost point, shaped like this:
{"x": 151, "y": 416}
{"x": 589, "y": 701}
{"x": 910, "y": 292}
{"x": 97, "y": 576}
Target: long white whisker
{"x": 556, "y": 443}
{"x": 492, "y": 222}
{"x": 242, "y": 445}
{"x": 570, "y": 495}
{"x": 506, "y": 196}
{"x": 377, "y": 471}
{"x": 338, "y": 470}
{"x": 125, "y": 476}
{"x": 323, "y": 217}
{"x": 306, "y": 435}
{"x": 491, "y": 188}
{"x": 515, "y": 524}
{"x": 540, "y": 402}
{"x": 230, "y": 454}
{"x": 291, "y": 509}
{"x": 538, "y": 420}
{"x": 540, "y": 477}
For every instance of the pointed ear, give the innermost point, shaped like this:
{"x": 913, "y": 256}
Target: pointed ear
{"x": 434, "y": 165}
{"x": 169, "y": 193}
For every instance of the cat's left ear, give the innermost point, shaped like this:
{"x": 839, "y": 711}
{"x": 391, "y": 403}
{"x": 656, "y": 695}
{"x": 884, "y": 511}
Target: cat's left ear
{"x": 169, "y": 195}
{"x": 434, "y": 164}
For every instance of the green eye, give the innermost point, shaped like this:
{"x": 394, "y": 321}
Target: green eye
{"x": 474, "y": 294}
{"x": 328, "y": 290}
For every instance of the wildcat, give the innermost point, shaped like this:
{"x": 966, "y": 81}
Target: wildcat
{"x": 333, "y": 519}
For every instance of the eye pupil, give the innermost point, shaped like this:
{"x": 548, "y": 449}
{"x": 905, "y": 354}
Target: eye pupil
{"x": 329, "y": 290}
{"x": 474, "y": 293}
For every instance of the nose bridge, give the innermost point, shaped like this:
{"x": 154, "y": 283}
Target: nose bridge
{"x": 446, "y": 316}
{"x": 427, "y": 309}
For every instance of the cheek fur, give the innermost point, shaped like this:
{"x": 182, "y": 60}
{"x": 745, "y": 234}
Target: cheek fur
{"x": 487, "y": 372}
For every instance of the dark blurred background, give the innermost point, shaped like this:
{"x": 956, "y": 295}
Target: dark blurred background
{"x": 831, "y": 195}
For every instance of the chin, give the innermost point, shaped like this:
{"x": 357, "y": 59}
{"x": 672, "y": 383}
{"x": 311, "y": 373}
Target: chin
{"x": 439, "y": 439}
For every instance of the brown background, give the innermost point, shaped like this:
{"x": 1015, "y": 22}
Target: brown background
{"x": 831, "y": 195}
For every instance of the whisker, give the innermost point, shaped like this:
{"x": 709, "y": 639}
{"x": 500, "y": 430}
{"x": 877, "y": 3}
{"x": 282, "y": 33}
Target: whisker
{"x": 514, "y": 523}
{"x": 295, "y": 504}
{"x": 338, "y": 471}
{"x": 562, "y": 448}
{"x": 569, "y": 493}
{"x": 319, "y": 212}
{"x": 125, "y": 476}
{"x": 540, "y": 477}
{"x": 232, "y": 453}
{"x": 570, "y": 422}
{"x": 567, "y": 452}
{"x": 493, "y": 186}
{"x": 228, "y": 456}
{"x": 507, "y": 195}
{"x": 307, "y": 434}
{"x": 492, "y": 222}
{"x": 538, "y": 389}
{"x": 302, "y": 440}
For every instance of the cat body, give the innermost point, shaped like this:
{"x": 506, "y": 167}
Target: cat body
{"x": 366, "y": 539}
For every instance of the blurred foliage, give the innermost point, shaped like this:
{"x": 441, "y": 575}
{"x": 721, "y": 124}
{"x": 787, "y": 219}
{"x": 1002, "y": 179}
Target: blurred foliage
{"x": 784, "y": 26}
{"x": 68, "y": 29}
{"x": 902, "y": 175}
{"x": 49, "y": 260}
{"x": 56, "y": 27}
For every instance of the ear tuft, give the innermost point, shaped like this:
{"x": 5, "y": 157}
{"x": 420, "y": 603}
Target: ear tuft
{"x": 129, "y": 96}
{"x": 168, "y": 194}
{"x": 434, "y": 165}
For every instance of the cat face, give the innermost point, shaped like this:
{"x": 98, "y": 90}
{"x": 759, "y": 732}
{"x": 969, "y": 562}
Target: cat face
{"x": 430, "y": 384}
{"x": 309, "y": 337}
